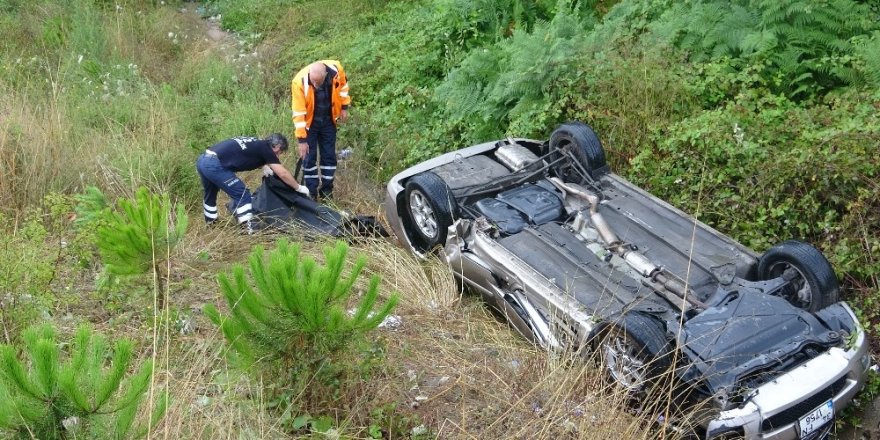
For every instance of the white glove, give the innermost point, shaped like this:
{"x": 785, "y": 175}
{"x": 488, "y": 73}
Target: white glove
{"x": 267, "y": 171}
{"x": 304, "y": 191}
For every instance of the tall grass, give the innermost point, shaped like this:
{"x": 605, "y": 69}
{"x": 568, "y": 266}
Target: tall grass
{"x": 117, "y": 98}
{"x": 128, "y": 96}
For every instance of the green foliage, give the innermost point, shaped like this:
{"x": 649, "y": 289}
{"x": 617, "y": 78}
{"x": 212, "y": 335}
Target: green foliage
{"x": 292, "y": 311}
{"x": 472, "y": 24}
{"x": 800, "y": 49}
{"x": 510, "y": 84}
{"x": 36, "y": 251}
{"x": 386, "y": 421}
{"x": 84, "y": 396}
{"x": 27, "y": 267}
{"x": 804, "y": 167}
{"x": 138, "y": 235}
{"x": 867, "y": 48}
{"x": 251, "y": 16}
{"x": 91, "y": 207}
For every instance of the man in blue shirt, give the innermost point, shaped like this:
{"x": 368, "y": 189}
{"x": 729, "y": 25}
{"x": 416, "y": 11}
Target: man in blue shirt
{"x": 217, "y": 167}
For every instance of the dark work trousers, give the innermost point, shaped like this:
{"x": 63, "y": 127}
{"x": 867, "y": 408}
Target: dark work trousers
{"x": 322, "y": 142}
{"x": 215, "y": 177}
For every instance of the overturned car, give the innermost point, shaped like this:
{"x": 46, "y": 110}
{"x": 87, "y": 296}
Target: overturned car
{"x": 576, "y": 257}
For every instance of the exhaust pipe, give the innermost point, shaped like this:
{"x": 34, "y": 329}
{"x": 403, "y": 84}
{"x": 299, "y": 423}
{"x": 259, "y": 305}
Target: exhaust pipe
{"x": 634, "y": 259}
{"x": 605, "y": 232}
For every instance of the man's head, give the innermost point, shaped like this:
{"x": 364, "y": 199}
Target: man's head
{"x": 278, "y": 142}
{"x": 317, "y": 73}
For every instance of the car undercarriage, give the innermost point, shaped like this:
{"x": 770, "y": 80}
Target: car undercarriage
{"x": 578, "y": 258}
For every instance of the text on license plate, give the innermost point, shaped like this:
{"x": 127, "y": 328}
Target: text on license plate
{"x": 817, "y": 418}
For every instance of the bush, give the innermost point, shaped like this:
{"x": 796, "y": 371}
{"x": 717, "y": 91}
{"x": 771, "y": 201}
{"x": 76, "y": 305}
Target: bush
{"x": 799, "y": 49}
{"x": 509, "y": 86}
{"x": 36, "y": 256}
{"x": 138, "y": 236}
{"x": 83, "y": 397}
{"x": 290, "y": 314}
{"x": 28, "y": 268}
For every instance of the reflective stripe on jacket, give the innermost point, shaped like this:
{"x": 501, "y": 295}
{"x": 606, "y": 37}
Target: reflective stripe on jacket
{"x": 303, "y": 97}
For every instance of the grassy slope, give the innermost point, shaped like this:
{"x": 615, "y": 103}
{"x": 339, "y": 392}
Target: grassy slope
{"x": 452, "y": 366}
{"x": 148, "y": 93}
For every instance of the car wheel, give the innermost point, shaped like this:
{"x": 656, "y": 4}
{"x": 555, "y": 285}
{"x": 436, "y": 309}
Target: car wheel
{"x": 633, "y": 350}
{"x": 812, "y": 282}
{"x": 582, "y": 142}
{"x": 429, "y": 206}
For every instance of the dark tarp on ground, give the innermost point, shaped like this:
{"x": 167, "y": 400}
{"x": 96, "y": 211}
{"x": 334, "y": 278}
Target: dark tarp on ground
{"x": 278, "y": 205}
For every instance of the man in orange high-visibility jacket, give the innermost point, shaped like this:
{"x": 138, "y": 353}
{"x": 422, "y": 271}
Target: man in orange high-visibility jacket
{"x": 319, "y": 99}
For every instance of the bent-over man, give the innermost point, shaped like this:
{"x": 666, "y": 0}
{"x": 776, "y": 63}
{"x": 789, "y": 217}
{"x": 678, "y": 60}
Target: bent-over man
{"x": 219, "y": 163}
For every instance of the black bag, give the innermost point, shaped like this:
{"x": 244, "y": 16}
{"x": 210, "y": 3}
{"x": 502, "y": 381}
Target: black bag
{"x": 280, "y": 206}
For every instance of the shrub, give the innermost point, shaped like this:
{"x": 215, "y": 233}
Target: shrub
{"x": 799, "y": 49}
{"x": 137, "y": 236}
{"x": 34, "y": 256}
{"x": 508, "y": 86}
{"x": 83, "y": 396}
{"x": 292, "y": 313}
{"x": 28, "y": 267}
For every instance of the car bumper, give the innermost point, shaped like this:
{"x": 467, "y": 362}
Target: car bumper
{"x": 775, "y": 410}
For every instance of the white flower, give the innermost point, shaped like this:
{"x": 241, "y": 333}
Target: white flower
{"x": 738, "y": 134}
{"x": 79, "y": 60}
{"x": 70, "y": 422}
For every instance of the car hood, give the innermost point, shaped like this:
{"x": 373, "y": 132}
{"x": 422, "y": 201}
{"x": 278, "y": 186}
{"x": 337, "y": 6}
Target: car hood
{"x": 748, "y": 339}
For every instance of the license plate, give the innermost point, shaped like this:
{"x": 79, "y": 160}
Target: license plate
{"x": 816, "y": 418}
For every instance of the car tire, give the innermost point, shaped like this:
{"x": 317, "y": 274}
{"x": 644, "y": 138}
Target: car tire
{"x": 584, "y": 144}
{"x": 633, "y": 350}
{"x": 429, "y": 209}
{"x": 815, "y": 286}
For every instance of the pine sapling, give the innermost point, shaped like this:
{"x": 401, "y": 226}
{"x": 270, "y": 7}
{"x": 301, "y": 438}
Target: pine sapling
{"x": 138, "y": 236}
{"x": 293, "y": 310}
{"x": 47, "y": 398}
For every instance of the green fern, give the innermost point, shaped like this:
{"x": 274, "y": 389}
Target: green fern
{"x": 868, "y": 51}
{"x": 796, "y": 39}
{"x": 514, "y": 77}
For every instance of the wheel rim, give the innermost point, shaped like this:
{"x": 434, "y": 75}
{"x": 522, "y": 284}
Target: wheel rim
{"x": 799, "y": 292}
{"x": 422, "y": 214}
{"x": 622, "y": 361}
